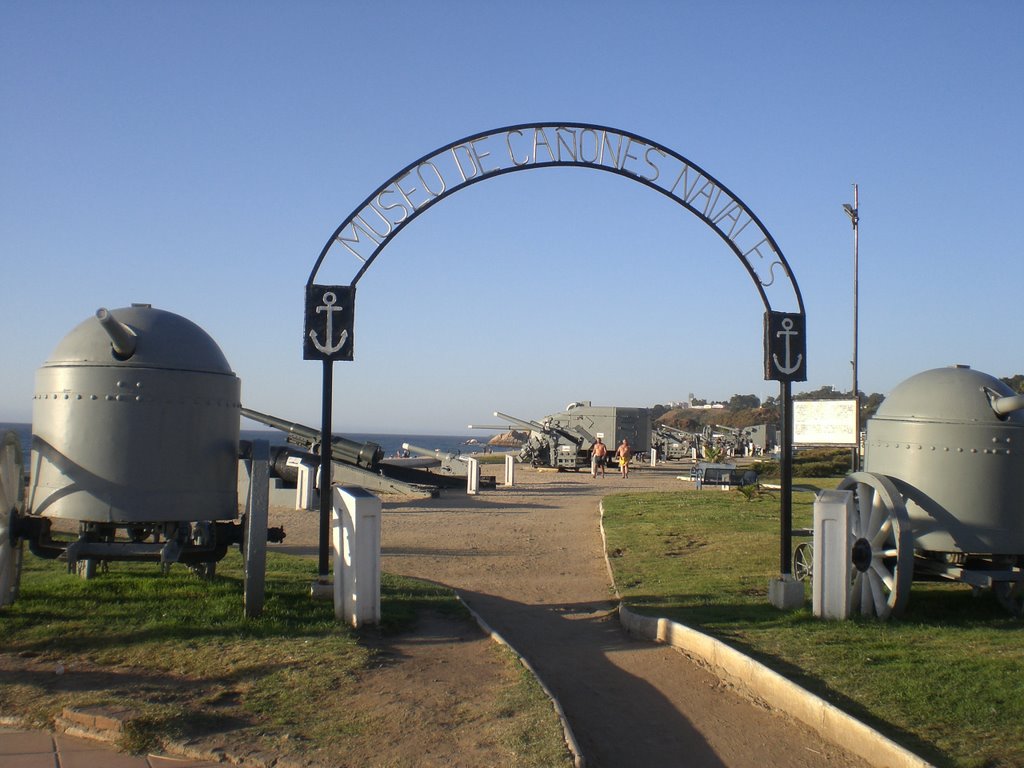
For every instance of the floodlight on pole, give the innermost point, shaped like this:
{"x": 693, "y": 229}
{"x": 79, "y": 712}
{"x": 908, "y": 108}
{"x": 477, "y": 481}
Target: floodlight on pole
{"x": 854, "y": 213}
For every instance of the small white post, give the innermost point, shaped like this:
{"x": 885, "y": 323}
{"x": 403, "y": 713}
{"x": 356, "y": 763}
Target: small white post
{"x": 654, "y": 457}
{"x": 833, "y": 557}
{"x": 472, "y": 477}
{"x": 355, "y": 540}
{"x": 510, "y": 469}
{"x": 305, "y": 485}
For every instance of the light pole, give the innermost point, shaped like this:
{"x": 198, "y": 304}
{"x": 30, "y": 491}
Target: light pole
{"x": 853, "y": 213}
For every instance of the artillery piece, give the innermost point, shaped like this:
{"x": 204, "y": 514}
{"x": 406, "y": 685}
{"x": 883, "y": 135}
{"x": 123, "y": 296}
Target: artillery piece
{"x": 362, "y": 464}
{"x": 135, "y": 441}
{"x": 563, "y": 440}
{"x": 673, "y": 444}
{"x": 443, "y": 462}
{"x": 552, "y": 446}
{"x": 941, "y": 496}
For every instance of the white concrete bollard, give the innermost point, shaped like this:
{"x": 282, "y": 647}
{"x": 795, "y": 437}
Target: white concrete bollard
{"x": 654, "y": 457}
{"x": 833, "y": 557}
{"x": 510, "y": 469}
{"x": 472, "y": 477}
{"x": 355, "y": 544}
{"x": 305, "y": 485}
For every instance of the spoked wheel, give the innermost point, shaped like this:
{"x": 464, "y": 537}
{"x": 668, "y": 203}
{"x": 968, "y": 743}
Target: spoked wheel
{"x": 883, "y": 549}
{"x": 12, "y": 494}
{"x": 803, "y": 559}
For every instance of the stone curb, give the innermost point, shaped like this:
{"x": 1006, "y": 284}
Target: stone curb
{"x": 769, "y": 686}
{"x": 105, "y": 724}
{"x": 569, "y": 736}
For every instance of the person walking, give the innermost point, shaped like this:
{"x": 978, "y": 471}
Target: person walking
{"x": 598, "y": 457}
{"x": 624, "y": 454}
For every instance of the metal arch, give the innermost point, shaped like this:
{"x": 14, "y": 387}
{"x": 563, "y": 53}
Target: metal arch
{"x": 713, "y": 214}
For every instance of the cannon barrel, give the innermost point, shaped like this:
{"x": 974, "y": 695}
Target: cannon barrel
{"x": 673, "y": 431}
{"x": 436, "y": 453}
{"x": 122, "y": 338}
{"x": 347, "y": 451}
{"x": 576, "y": 439}
{"x": 1004, "y": 406}
{"x": 525, "y": 423}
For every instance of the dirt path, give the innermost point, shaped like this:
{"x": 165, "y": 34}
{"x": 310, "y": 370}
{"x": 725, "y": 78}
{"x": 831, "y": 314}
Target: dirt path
{"x": 529, "y": 560}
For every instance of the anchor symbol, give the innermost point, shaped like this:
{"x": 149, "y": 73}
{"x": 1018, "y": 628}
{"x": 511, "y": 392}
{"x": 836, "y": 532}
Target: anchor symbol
{"x": 786, "y": 332}
{"x": 328, "y": 306}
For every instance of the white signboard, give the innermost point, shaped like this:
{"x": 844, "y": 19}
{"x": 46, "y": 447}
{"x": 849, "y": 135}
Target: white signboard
{"x": 825, "y": 422}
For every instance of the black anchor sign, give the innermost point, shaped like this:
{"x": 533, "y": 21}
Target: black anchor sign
{"x": 785, "y": 347}
{"x": 330, "y": 320}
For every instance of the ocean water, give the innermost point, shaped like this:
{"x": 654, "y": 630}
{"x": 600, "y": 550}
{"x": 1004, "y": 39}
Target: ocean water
{"x": 391, "y": 443}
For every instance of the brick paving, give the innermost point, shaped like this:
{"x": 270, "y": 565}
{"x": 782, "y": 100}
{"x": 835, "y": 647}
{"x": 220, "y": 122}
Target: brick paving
{"x": 40, "y": 749}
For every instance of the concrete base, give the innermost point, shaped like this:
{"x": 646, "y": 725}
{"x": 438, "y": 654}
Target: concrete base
{"x": 786, "y": 593}
{"x": 322, "y": 590}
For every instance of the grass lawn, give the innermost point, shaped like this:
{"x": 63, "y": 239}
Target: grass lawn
{"x": 944, "y": 680}
{"x": 177, "y": 651}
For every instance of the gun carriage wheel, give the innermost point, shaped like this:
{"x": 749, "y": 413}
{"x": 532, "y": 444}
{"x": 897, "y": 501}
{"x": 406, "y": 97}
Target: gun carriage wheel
{"x": 12, "y": 494}
{"x": 803, "y": 559}
{"x": 883, "y": 550}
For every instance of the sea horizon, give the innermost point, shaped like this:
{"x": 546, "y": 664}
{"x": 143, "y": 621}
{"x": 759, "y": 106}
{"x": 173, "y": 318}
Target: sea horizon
{"x": 390, "y": 442}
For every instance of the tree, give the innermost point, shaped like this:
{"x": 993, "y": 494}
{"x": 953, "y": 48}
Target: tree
{"x": 1015, "y": 382}
{"x": 869, "y": 405}
{"x": 744, "y": 402}
{"x": 826, "y": 392}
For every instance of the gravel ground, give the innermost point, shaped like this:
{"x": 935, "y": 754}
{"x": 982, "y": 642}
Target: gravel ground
{"x": 529, "y": 560}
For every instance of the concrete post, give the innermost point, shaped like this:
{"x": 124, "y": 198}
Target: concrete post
{"x": 472, "y": 477}
{"x": 510, "y": 469}
{"x": 305, "y": 486}
{"x": 355, "y": 527}
{"x": 833, "y": 558}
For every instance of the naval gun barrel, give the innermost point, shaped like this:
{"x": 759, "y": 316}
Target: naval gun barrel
{"x": 1004, "y": 406}
{"x": 533, "y": 426}
{"x": 674, "y": 431}
{"x": 367, "y": 455}
{"x": 437, "y": 453}
{"x": 122, "y": 338}
{"x": 545, "y": 429}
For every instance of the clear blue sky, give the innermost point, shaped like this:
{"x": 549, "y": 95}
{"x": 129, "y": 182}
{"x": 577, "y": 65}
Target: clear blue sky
{"x": 198, "y": 155}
